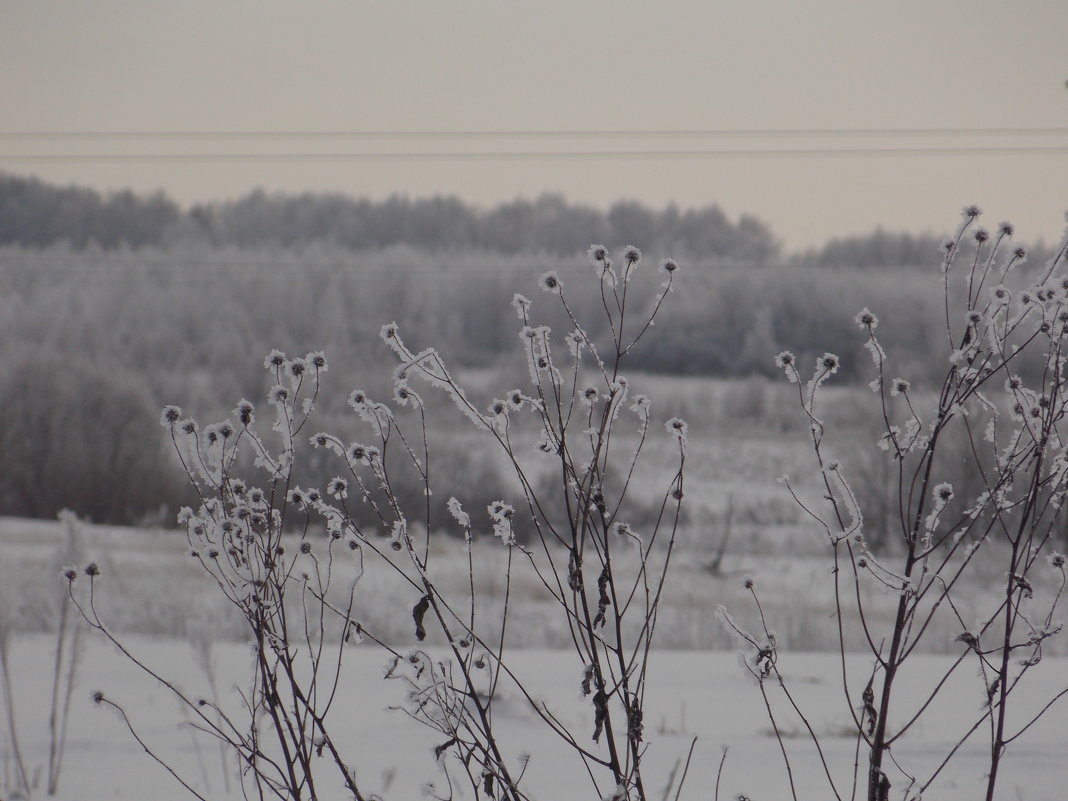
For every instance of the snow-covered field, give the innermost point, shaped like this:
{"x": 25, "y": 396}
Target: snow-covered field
{"x": 153, "y": 595}
{"x": 700, "y": 694}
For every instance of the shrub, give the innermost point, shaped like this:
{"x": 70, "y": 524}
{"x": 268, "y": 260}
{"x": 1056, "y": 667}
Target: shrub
{"x": 79, "y": 437}
{"x": 289, "y": 558}
{"x": 945, "y": 521}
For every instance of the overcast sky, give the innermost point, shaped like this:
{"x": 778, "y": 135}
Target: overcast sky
{"x": 560, "y": 65}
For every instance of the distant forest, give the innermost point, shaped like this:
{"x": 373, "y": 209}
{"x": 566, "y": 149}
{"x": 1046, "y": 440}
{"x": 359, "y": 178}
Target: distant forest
{"x": 113, "y": 305}
{"x": 35, "y": 214}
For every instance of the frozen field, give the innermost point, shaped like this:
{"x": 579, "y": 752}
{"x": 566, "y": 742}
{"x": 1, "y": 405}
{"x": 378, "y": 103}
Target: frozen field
{"x": 153, "y": 595}
{"x": 694, "y": 694}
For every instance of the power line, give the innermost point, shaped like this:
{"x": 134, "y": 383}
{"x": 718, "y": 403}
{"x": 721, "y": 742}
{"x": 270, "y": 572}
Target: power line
{"x": 533, "y": 155}
{"x": 531, "y": 134}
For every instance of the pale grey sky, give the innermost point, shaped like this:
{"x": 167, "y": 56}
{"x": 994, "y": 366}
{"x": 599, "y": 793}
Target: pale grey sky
{"x": 494, "y": 65}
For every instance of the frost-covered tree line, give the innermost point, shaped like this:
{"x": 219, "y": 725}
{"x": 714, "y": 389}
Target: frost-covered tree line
{"x": 35, "y": 214}
{"x": 96, "y": 331}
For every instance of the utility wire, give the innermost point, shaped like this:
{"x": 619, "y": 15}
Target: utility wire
{"x": 531, "y": 134}
{"x": 532, "y": 155}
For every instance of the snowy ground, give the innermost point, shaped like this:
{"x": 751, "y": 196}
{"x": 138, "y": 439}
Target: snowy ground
{"x": 700, "y": 694}
{"x": 151, "y": 593}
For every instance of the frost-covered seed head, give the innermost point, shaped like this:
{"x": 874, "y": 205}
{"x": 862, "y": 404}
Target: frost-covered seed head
{"x": 1056, "y": 559}
{"x": 597, "y": 254}
{"x": 677, "y": 427}
{"x": 550, "y": 282}
{"x": 499, "y": 510}
{"x": 296, "y": 367}
{"x": 498, "y": 408}
{"x": 669, "y": 266}
{"x": 170, "y": 416}
{"x": 245, "y": 412}
{"x": 865, "y": 319}
{"x": 631, "y": 254}
{"x": 278, "y": 394}
{"x": 828, "y": 362}
{"x": 1006, "y": 228}
{"x": 521, "y": 304}
{"x": 274, "y": 359}
{"x": 784, "y": 359}
{"x": 70, "y": 574}
{"x": 641, "y": 404}
{"x": 358, "y": 398}
{"x": 899, "y": 386}
{"x": 305, "y": 548}
{"x": 188, "y": 426}
{"x": 981, "y": 235}
{"x": 1020, "y": 252}
{"x": 515, "y": 398}
{"x": 971, "y": 212}
{"x": 317, "y": 360}
{"x": 944, "y": 492}
{"x": 92, "y": 570}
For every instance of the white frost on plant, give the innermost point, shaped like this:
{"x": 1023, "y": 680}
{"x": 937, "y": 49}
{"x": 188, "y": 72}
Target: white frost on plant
{"x": 502, "y": 515}
{"x": 521, "y": 304}
{"x": 677, "y": 427}
{"x": 458, "y": 513}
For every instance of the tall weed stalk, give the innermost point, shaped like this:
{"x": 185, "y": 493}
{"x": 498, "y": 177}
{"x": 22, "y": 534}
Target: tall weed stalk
{"x": 290, "y": 559}
{"x": 1003, "y": 393}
